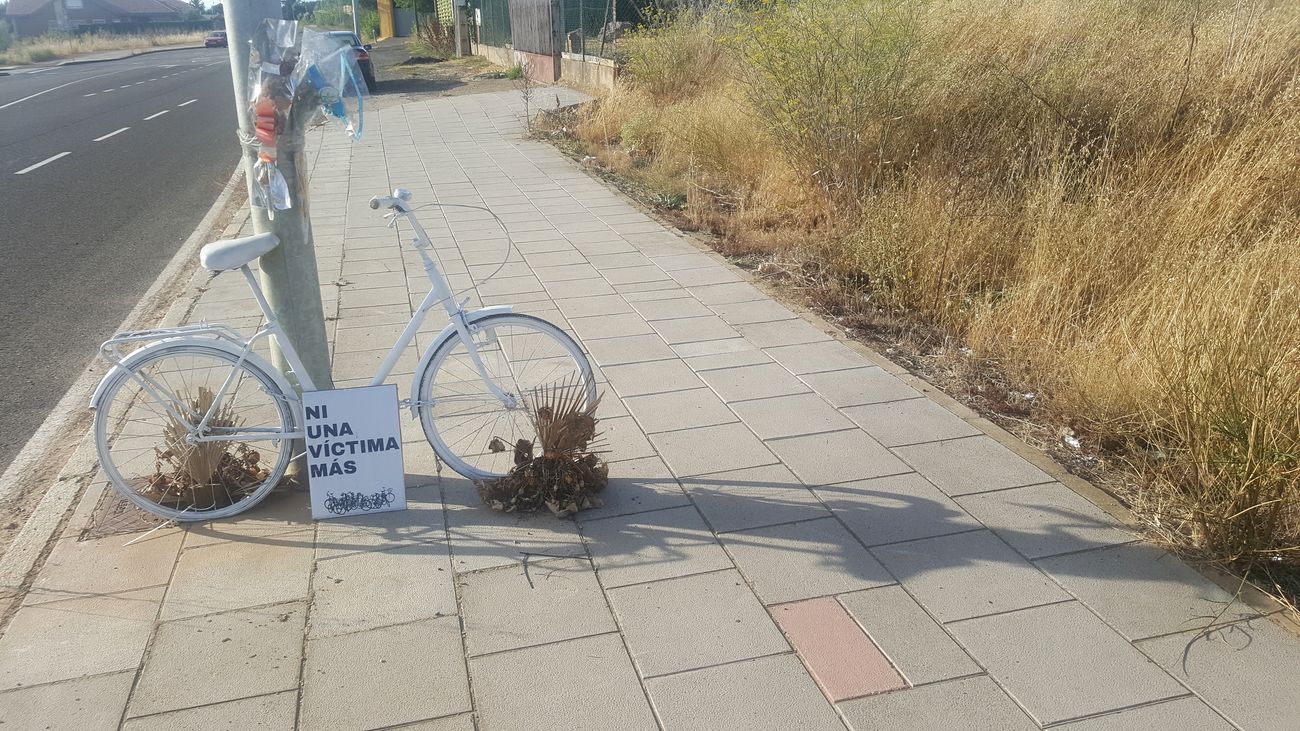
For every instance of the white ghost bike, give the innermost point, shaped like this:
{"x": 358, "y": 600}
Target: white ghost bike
{"x": 191, "y": 424}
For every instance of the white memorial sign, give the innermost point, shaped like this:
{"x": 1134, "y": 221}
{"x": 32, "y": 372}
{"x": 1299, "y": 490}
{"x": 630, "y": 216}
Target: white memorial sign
{"x": 354, "y": 451}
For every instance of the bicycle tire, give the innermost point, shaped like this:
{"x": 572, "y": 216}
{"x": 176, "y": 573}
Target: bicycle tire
{"x": 127, "y": 411}
{"x": 470, "y": 456}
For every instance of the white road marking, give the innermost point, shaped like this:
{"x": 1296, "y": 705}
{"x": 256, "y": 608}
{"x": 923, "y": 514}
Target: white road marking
{"x": 107, "y": 91}
{"x": 123, "y": 87}
{"x": 154, "y": 116}
{"x": 47, "y": 91}
{"x": 110, "y": 134}
{"x": 91, "y": 93}
{"x": 44, "y": 162}
{"x": 186, "y": 104}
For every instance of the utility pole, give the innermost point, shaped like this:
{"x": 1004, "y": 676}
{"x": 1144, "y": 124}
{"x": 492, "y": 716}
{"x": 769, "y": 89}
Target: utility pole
{"x": 356, "y": 29}
{"x": 288, "y": 273}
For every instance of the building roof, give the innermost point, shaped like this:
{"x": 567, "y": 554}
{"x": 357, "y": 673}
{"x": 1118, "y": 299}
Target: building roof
{"x": 125, "y": 7}
{"x": 25, "y": 7}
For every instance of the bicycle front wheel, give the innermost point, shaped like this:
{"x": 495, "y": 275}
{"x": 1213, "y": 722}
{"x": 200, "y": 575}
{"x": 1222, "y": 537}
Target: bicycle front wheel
{"x": 472, "y": 429}
{"x": 150, "y": 446}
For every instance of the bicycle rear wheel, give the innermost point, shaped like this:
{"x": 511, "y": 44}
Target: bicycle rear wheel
{"x": 471, "y": 429}
{"x": 143, "y": 425}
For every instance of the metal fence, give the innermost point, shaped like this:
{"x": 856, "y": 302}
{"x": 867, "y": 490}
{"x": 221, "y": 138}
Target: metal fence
{"x": 588, "y": 27}
{"x": 592, "y": 27}
{"x": 493, "y": 19}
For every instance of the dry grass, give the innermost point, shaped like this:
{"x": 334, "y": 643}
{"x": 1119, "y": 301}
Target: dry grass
{"x": 1101, "y": 197}
{"x": 51, "y": 47}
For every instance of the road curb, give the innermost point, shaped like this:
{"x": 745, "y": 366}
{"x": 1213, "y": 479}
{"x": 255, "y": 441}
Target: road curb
{"x": 64, "y": 431}
{"x": 133, "y": 54}
{"x": 6, "y": 70}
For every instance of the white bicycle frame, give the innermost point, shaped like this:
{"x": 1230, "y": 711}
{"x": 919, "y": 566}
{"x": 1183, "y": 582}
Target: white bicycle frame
{"x": 439, "y": 293}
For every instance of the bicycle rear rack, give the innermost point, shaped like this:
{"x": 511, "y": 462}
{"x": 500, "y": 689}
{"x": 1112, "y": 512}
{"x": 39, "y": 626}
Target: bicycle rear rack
{"x": 111, "y": 350}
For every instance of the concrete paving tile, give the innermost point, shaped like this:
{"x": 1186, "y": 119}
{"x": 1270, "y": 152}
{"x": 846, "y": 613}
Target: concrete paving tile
{"x": 1044, "y": 520}
{"x": 671, "y": 309}
{"x": 744, "y": 313}
{"x": 532, "y": 604}
{"x": 803, "y": 560}
{"x": 482, "y": 538}
{"x": 660, "y": 289}
{"x": 252, "y": 651}
{"x": 637, "y": 486}
{"x": 620, "y": 438}
{"x": 1061, "y": 662}
{"x": 629, "y": 274}
{"x": 824, "y": 459}
{"x": 858, "y": 386}
{"x": 656, "y": 294}
{"x": 391, "y": 675}
{"x": 421, "y": 522}
{"x": 1143, "y": 591}
{"x": 817, "y": 357}
{"x": 895, "y": 508}
{"x": 675, "y": 410}
{"x": 693, "y": 622}
{"x": 578, "y": 288}
{"x": 659, "y": 376}
{"x": 463, "y": 722}
{"x": 752, "y": 498}
{"x": 567, "y": 257}
{"x": 630, "y": 349}
{"x": 569, "y": 272}
{"x": 609, "y": 326}
{"x": 236, "y": 574}
{"x": 843, "y": 661}
{"x": 782, "y": 333}
{"x": 788, "y": 416}
{"x": 967, "y": 575}
{"x": 711, "y": 449}
{"x": 727, "y": 293}
{"x": 649, "y": 546}
{"x": 415, "y": 583}
{"x": 753, "y": 382}
{"x": 693, "y": 329}
{"x": 105, "y": 566}
{"x": 592, "y": 668}
{"x": 766, "y": 693}
{"x": 703, "y": 276}
{"x": 970, "y": 703}
{"x": 269, "y": 712}
{"x": 77, "y": 637}
{"x": 86, "y": 704}
{"x": 916, "y": 645}
{"x": 1246, "y": 670}
{"x": 635, "y": 259}
{"x": 912, "y": 421}
{"x": 970, "y": 465}
{"x": 690, "y": 260}
{"x": 1176, "y": 715}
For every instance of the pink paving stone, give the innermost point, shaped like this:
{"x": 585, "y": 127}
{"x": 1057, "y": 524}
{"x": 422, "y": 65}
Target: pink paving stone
{"x": 839, "y": 655}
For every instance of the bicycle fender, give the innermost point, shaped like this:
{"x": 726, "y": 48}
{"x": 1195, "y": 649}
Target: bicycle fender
{"x": 446, "y": 334}
{"x": 135, "y": 357}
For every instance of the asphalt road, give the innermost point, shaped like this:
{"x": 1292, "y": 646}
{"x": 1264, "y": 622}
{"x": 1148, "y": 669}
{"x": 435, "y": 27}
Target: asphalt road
{"x": 105, "y": 169}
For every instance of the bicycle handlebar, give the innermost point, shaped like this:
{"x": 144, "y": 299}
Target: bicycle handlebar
{"x": 397, "y": 200}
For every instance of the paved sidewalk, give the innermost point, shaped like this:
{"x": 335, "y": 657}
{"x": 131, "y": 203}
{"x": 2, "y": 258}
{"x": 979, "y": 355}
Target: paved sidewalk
{"x": 793, "y": 538}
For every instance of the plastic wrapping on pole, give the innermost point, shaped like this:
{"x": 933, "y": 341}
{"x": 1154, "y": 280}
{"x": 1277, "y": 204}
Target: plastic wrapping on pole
{"x": 286, "y": 80}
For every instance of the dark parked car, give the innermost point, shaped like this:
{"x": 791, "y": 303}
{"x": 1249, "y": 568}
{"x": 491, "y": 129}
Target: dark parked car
{"x": 362, "y": 53}
{"x": 215, "y": 39}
